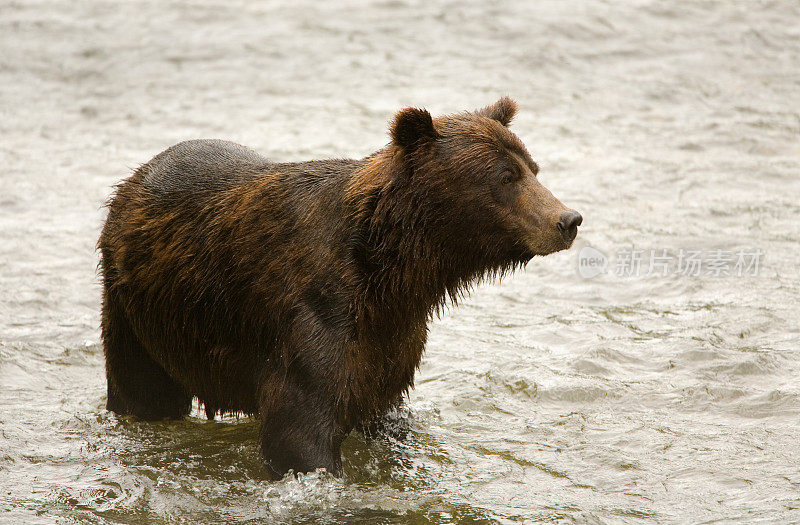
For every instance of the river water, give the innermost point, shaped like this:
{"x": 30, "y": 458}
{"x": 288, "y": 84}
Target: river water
{"x": 662, "y": 390}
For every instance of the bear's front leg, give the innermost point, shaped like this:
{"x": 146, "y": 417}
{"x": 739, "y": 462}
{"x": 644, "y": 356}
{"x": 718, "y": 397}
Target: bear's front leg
{"x": 299, "y": 431}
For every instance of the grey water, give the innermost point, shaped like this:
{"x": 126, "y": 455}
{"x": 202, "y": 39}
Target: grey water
{"x": 613, "y": 383}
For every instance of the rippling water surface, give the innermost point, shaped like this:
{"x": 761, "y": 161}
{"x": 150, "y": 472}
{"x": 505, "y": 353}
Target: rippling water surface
{"x": 545, "y": 398}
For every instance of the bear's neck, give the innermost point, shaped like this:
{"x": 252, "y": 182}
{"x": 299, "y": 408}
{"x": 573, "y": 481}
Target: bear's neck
{"x": 409, "y": 266}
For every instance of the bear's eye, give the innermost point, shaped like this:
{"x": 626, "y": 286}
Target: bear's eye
{"x": 508, "y": 176}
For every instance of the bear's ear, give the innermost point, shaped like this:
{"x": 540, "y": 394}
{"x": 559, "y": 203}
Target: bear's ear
{"x": 412, "y": 127}
{"x": 502, "y": 111}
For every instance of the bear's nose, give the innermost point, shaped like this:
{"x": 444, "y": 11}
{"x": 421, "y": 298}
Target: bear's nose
{"x": 568, "y": 225}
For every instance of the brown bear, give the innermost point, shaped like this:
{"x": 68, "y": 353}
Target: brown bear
{"x": 301, "y": 292}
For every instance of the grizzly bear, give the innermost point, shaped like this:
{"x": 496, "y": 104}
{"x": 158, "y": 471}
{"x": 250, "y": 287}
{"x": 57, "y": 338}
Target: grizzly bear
{"x": 301, "y": 292}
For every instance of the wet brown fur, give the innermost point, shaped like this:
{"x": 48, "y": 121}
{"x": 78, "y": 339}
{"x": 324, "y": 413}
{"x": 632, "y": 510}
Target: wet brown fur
{"x": 301, "y": 292}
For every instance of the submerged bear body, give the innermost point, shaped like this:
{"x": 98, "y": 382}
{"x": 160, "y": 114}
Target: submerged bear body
{"x": 301, "y": 292}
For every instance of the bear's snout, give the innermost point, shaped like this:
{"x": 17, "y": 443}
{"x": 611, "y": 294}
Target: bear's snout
{"x": 568, "y": 225}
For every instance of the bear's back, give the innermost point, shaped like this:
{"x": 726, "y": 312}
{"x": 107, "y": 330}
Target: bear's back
{"x": 196, "y": 167}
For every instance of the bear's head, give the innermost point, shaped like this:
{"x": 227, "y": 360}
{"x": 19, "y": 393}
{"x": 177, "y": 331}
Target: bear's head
{"x": 475, "y": 181}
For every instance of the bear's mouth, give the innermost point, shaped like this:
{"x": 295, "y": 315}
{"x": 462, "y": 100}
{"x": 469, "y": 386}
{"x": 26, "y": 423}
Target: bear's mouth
{"x": 557, "y": 245}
